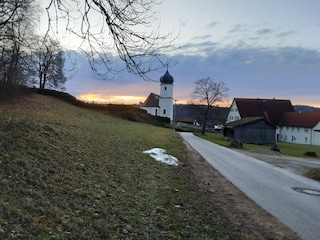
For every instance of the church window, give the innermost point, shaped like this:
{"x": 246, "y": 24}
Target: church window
{"x": 164, "y": 111}
{"x": 165, "y": 88}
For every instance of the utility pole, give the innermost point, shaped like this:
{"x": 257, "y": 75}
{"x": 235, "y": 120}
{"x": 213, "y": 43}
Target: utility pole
{"x": 174, "y": 114}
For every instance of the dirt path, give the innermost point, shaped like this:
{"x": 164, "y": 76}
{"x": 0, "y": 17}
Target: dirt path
{"x": 240, "y": 216}
{"x": 297, "y": 165}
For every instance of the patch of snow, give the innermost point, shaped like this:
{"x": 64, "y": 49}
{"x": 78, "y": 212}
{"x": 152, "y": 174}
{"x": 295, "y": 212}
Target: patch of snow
{"x": 160, "y": 155}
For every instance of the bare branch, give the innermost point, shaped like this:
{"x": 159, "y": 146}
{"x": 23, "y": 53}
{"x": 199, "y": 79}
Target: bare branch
{"x": 114, "y": 26}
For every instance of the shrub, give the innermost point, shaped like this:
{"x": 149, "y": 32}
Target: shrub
{"x": 311, "y": 154}
{"x": 236, "y": 144}
{"x": 275, "y": 148}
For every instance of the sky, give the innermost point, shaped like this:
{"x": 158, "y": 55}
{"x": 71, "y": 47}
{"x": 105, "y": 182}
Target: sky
{"x": 258, "y": 48}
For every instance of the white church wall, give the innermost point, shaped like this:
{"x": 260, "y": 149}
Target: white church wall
{"x": 166, "y": 101}
{"x": 152, "y": 110}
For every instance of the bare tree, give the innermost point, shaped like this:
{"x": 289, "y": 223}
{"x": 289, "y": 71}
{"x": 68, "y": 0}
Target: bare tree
{"x": 125, "y": 27}
{"x": 15, "y": 35}
{"x": 8, "y": 9}
{"x": 48, "y": 61}
{"x": 209, "y": 93}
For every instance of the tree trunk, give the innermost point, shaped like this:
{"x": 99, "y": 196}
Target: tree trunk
{"x": 205, "y": 120}
{"x": 203, "y": 130}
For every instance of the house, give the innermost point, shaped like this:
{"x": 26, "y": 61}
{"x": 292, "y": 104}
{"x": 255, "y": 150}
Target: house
{"x": 300, "y": 128}
{"x": 271, "y": 109}
{"x": 256, "y": 130}
{"x": 161, "y": 105}
{"x": 246, "y": 115}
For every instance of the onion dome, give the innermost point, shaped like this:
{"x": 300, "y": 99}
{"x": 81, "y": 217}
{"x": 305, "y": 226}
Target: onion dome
{"x": 166, "y": 78}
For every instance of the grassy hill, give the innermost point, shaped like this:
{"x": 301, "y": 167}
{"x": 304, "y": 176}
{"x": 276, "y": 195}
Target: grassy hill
{"x": 71, "y": 173}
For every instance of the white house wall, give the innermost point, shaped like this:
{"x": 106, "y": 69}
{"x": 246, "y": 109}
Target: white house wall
{"x": 316, "y": 135}
{"x": 234, "y": 114}
{"x": 296, "y": 135}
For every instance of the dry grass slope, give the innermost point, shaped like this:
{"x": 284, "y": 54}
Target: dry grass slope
{"x": 71, "y": 173}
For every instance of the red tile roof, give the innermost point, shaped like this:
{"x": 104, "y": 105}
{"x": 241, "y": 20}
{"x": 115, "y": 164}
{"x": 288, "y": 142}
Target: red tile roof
{"x": 304, "y": 119}
{"x": 271, "y": 109}
{"x": 151, "y": 101}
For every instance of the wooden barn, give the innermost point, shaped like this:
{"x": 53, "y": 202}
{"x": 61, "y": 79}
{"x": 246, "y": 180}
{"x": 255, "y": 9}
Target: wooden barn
{"x": 254, "y": 130}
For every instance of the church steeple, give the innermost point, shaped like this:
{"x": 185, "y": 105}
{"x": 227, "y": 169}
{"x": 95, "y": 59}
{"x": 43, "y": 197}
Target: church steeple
{"x": 166, "y": 78}
{"x": 161, "y": 105}
{"x": 166, "y": 96}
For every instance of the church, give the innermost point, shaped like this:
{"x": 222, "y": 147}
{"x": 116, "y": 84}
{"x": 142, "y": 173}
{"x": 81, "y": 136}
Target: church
{"x": 161, "y": 105}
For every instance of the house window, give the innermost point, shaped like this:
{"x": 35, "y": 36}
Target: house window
{"x": 156, "y": 112}
{"x": 236, "y": 117}
{"x": 298, "y": 129}
{"x": 306, "y": 139}
{"x": 231, "y": 117}
{"x": 306, "y": 130}
{"x": 293, "y": 138}
{"x": 164, "y": 111}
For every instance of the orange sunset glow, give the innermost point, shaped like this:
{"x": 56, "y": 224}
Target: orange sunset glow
{"x": 99, "y": 98}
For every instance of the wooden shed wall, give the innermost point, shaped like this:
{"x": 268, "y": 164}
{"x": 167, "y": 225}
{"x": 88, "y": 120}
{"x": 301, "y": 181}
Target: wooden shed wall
{"x": 258, "y": 133}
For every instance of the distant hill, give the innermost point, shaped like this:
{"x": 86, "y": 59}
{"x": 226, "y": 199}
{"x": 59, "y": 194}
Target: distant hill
{"x": 304, "y": 108}
{"x": 194, "y": 111}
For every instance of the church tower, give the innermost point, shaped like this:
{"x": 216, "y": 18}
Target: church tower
{"x": 166, "y": 96}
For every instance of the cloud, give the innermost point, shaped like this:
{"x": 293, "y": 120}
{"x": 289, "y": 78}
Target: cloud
{"x": 198, "y": 48}
{"x": 203, "y": 37}
{"x": 287, "y": 33}
{"x": 264, "y": 31}
{"x": 254, "y": 72}
{"x": 238, "y": 28}
{"x": 212, "y": 24}
{"x": 249, "y": 71}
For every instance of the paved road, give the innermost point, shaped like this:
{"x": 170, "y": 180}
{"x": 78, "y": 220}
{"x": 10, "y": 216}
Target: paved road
{"x": 293, "y": 199}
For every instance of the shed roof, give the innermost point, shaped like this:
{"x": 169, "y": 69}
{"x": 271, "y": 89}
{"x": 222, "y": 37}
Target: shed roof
{"x": 303, "y": 119}
{"x": 151, "y": 101}
{"x": 271, "y": 109}
{"x": 246, "y": 121}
